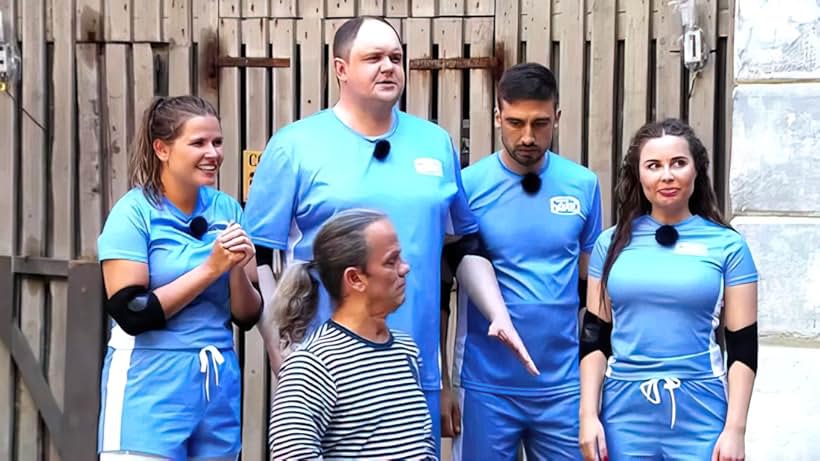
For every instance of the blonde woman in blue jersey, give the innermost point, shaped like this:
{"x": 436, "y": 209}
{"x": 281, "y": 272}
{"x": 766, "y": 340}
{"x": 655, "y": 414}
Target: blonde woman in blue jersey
{"x": 173, "y": 259}
{"x": 660, "y": 282}
{"x": 352, "y": 389}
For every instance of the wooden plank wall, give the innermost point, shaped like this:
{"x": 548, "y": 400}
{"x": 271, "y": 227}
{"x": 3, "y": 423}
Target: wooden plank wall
{"x": 90, "y": 70}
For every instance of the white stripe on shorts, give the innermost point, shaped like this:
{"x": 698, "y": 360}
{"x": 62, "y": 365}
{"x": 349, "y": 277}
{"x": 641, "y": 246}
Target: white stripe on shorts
{"x": 114, "y": 398}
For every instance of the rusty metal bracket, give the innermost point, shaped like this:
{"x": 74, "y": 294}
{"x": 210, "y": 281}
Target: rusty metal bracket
{"x": 494, "y": 63}
{"x": 234, "y": 61}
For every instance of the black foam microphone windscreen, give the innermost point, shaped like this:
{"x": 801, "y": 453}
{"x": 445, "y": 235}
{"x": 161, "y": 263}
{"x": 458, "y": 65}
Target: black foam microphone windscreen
{"x": 381, "y": 149}
{"x": 198, "y": 227}
{"x": 531, "y": 183}
{"x": 666, "y": 235}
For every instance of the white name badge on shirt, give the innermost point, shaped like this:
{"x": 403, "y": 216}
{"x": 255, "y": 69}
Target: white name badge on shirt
{"x": 428, "y": 166}
{"x": 565, "y": 205}
{"x": 691, "y": 249}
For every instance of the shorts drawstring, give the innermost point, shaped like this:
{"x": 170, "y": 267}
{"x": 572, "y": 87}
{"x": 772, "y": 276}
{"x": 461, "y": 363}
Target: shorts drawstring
{"x": 649, "y": 389}
{"x": 204, "y": 366}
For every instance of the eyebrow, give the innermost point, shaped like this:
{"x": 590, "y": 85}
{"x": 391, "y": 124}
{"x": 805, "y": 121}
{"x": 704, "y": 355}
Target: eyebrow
{"x": 391, "y": 254}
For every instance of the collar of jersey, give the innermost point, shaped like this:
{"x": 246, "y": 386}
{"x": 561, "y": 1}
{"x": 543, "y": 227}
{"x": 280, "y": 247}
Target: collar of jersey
{"x": 386, "y": 135}
{"x": 373, "y": 344}
{"x": 198, "y": 208}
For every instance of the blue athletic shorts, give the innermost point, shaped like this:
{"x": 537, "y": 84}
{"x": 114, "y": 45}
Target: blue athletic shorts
{"x": 171, "y": 403}
{"x": 663, "y": 418}
{"x": 494, "y": 425}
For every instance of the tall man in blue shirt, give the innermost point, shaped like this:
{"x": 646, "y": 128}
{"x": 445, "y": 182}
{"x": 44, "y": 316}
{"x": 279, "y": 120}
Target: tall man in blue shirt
{"x": 539, "y": 215}
{"x": 364, "y": 152}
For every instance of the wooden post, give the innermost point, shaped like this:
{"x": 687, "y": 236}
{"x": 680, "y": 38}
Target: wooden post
{"x": 178, "y": 25}
{"x": 254, "y": 384}
{"x": 636, "y": 68}
{"x": 371, "y": 7}
{"x": 419, "y": 82}
{"x": 669, "y": 64}
{"x": 423, "y": 8}
{"x": 229, "y": 106}
{"x": 283, "y": 41}
{"x": 147, "y": 19}
{"x": 255, "y": 8}
{"x": 449, "y": 34}
{"x": 537, "y": 24}
{"x": 117, "y": 121}
{"x": 8, "y": 230}
{"x": 283, "y": 8}
{"x": 571, "y": 81}
{"x": 482, "y": 89}
{"x": 89, "y": 20}
{"x": 205, "y": 33}
{"x": 340, "y": 9}
{"x": 506, "y": 29}
{"x": 89, "y": 165}
{"x": 309, "y": 37}
{"x": 601, "y": 100}
{"x": 230, "y": 9}
{"x": 118, "y": 20}
{"x": 62, "y": 193}
{"x": 33, "y": 231}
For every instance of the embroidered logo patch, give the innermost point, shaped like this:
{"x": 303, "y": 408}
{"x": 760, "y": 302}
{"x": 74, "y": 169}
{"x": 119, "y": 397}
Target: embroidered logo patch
{"x": 428, "y": 166}
{"x": 565, "y": 205}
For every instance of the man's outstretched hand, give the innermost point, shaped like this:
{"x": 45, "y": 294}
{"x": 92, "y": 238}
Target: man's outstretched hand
{"x": 503, "y": 329}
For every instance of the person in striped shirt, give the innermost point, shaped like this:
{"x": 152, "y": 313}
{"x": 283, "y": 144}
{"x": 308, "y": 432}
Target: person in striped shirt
{"x": 351, "y": 390}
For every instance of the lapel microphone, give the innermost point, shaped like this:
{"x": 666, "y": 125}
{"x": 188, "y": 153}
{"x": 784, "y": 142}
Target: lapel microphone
{"x": 381, "y": 149}
{"x": 666, "y": 235}
{"x": 531, "y": 183}
{"x": 198, "y": 227}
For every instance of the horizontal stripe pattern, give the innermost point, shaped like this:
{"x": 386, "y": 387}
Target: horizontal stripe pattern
{"x": 341, "y": 396}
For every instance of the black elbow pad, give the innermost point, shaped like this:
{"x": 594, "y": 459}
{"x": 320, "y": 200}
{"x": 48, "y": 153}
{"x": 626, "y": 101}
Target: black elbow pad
{"x": 136, "y": 310}
{"x": 470, "y": 244}
{"x": 264, "y": 256}
{"x": 596, "y": 335}
{"x": 741, "y": 346}
{"x": 582, "y": 293}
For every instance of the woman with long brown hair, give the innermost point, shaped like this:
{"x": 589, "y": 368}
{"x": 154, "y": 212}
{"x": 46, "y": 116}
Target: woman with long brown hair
{"x": 173, "y": 259}
{"x": 660, "y": 282}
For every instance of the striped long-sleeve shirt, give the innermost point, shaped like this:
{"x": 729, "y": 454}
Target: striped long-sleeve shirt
{"x": 341, "y": 396}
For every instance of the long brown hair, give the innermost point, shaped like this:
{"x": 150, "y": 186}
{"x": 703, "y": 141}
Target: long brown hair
{"x": 163, "y": 119}
{"x": 631, "y": 200}
{"x": 340, "y": 243}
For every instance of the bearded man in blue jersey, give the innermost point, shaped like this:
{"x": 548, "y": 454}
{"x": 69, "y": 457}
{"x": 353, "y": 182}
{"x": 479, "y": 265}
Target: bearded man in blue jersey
{"x": 539, "y": 215}
{"x": 364, "y": 152}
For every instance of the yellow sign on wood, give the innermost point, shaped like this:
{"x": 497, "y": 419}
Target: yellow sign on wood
{"x": 250, "y": 158}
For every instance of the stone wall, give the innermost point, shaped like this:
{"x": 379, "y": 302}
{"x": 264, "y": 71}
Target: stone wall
{"x": 775, "y": 196}
{"x": 775, "y": 169}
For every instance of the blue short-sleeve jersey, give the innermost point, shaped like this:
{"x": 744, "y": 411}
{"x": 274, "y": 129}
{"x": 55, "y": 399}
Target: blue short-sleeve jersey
{"x": 534, "y": 242}
{"x": 160, "y": 236}
{"x": 318, "y": 166}
{"x": 666, "y": 301}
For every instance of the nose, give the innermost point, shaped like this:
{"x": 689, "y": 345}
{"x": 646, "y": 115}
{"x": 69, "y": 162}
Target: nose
{"x": 386, "y": 65}
{"x": 527, "y": 137}
{"x": 404, "y": 269}
{"x": 666, "y": 174}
